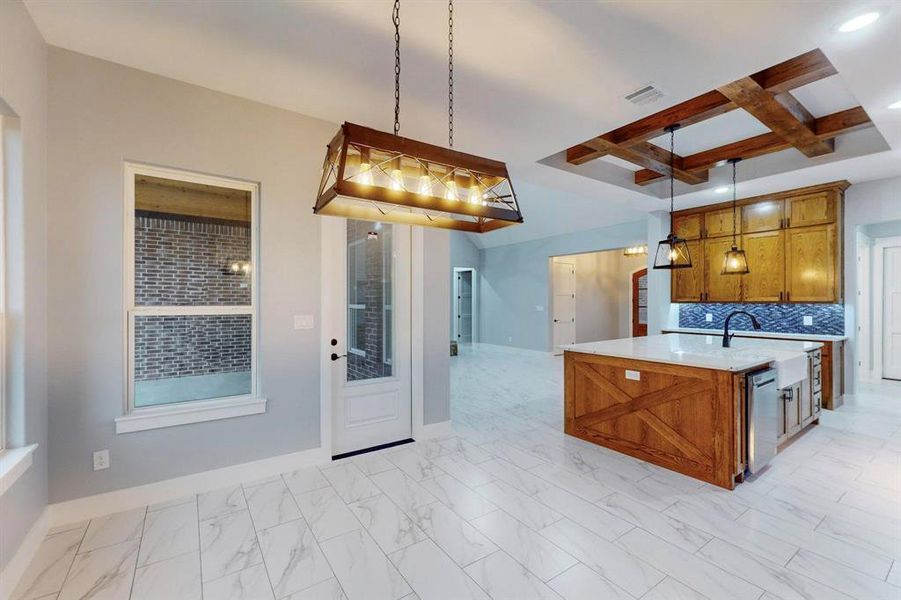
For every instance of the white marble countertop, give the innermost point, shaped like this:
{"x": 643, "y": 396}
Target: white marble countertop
{"x": 760, "y": 334}
{"x": 704, "y": 351}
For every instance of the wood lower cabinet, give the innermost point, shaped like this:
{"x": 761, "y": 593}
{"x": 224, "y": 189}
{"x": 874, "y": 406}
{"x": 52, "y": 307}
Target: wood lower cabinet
{"x": 719, "y": 287}
{"x": 718, "y": 223}
{"x": 766, "y": 262}
{"x": 812, "y": 264}
{"x": 688, "y": 284}
{"x": 811, "y": 209}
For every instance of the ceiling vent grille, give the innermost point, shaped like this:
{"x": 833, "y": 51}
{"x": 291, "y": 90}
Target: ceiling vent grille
{"x": 646, "y": 94}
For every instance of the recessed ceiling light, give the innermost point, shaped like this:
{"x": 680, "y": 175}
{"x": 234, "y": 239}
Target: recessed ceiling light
{"x": 895, "y": 105}
{"x": 722, "y": 189}
{"x": 858, "y": 22}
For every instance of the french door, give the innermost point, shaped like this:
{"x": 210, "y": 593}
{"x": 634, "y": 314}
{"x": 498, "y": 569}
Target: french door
{"x": 370, "y": 348}
{"x": 564, "y": 309}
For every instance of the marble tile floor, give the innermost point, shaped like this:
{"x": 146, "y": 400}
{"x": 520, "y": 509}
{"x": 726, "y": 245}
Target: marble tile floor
{"x": 509, "y": 508}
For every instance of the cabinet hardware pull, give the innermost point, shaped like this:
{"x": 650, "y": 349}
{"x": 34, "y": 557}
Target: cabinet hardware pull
{"x": 780, "y": 296}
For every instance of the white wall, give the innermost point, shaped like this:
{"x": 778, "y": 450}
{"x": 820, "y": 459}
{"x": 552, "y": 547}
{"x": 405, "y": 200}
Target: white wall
{"x": 101, "y": 114}
{"x": 23, "y": 94}
{"x": 866, "y": 204}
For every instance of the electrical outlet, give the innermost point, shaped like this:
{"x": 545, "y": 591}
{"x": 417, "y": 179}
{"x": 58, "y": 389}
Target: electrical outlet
{"x": 303, "y": 322}
{"x": 510, "y": 339}
{"x": 101, "y": 460}
{"x": 808, "y": 320}
{"x": 708, "y": 317}
{"x": 539, "y": 308}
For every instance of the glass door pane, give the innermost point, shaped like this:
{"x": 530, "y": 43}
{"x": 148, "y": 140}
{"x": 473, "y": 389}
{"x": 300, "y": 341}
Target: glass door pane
{"x": 370, "y": 277}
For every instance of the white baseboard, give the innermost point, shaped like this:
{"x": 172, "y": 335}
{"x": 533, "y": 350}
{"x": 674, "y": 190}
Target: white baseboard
{"x": 89, "y": 507}
{"x": 436, "y": 430}
{"x": 15, "y": 568}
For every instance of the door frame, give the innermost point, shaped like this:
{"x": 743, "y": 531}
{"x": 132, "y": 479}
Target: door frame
{"x": 550, "y": 317}
{"x": 475, "y": 304}
{"x": 330, "y": 227}
{"x": 877, "y": 337}
{"x": 632, "y": 287}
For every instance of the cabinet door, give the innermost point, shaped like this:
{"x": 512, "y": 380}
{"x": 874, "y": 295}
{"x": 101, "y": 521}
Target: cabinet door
{"x": 812, "y": 209}
{"x": 765, "y": 281}
{"x": 762, "y": 216}
{"x": 718, "y": 287}
{"x": 805, "y": 403}
{"x": 718, "y": 223}
{"x": 811, "y": 264}
{"x": 688, "y": 227}
{"x": 792, "y": 409}
{"x": 688, "y": 284}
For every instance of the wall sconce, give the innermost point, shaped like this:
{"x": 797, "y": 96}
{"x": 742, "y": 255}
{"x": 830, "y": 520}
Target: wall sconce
{"x": 635, "y": 251}
{"x": 239, "y": 267}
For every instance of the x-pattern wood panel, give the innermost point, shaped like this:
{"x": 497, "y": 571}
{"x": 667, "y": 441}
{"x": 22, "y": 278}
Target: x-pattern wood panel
{"x": 639, "y": 406}
{"x": 765, "y": 95}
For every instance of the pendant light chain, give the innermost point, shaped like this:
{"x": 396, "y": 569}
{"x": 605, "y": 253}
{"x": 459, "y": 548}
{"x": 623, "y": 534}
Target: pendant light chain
{"x": 672, "y": 165}
{"x": 450, "y": 73}
{"x": 734, "y": 220}
{"x": 396, "y": 19}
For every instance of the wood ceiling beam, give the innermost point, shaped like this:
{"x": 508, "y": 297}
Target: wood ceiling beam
{"x": 651, "y": 157}
{"x": 827, "y": 127}
{"x": 783, "y": 114}
{"x": 778, "y": 79}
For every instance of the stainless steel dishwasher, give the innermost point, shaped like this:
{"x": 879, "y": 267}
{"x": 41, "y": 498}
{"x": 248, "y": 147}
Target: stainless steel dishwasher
{"x": 762, "y": 407}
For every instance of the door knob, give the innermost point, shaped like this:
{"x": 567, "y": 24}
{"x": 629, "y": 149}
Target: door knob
{"x": 336, "y": 357}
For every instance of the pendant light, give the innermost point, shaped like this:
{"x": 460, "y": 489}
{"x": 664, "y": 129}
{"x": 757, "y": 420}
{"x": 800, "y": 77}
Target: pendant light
{"x": 735, "y": 262}
{"x": 378, "y": 176}
{"x": 672, "y": 253}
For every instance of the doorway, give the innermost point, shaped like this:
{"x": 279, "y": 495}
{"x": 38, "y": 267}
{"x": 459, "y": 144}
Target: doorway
{"x": 891, "y": 313}
{"x": 563, "y": 281}
{"x": 640, "y": 303}
{"x": 465, "y": 305}
{"x": 370, "y": 351}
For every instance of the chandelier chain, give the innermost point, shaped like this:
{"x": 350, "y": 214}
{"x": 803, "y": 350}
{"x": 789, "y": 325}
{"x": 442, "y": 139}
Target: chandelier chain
{"x": 734, "y": 224}
{"x": 450, "y": 73}
{"x": 396, "y": 19}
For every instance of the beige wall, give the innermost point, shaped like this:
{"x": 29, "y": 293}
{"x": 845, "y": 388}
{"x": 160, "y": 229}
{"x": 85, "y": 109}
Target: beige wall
{"x": 603, "y": 293}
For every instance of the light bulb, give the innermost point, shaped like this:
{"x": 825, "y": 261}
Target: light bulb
{"x": 451, "y": 192}
{"x": 425, "y": 185}
{"x": 246, "y": 268}
{"x": 235, "y": 267}
{"x": 365, "y": 174}
{"x": 673, "y": 255}
{"x": 397, "y": 180}
{"x": 475, "y": 195}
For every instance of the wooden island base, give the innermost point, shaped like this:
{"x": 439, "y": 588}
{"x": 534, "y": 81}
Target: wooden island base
{"x": 686, "y": 419}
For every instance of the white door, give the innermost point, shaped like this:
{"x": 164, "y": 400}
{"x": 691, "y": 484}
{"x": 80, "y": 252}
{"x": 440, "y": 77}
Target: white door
{"x": 464, "y": 305}
{"x": 370, "y": 368}
{"x": 891, "y": 341}
{"x": 564, "y": 284}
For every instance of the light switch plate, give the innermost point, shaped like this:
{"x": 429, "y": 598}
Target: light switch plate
{"x": 101, "y": 460}
{"x": 303, "y": 322}
{"x": 708, "y": 317}
{"x": 633, "y": 375}
{"x": 808, "y": 320}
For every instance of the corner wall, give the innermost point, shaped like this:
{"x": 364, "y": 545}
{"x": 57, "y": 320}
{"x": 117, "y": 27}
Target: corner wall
{"x": 865, "y": 204}
{"x": 23, "y": 94}
{"x": 515, "y": 282}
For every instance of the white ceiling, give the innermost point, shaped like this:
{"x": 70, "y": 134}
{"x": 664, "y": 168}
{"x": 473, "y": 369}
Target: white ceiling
{"x": 531, "y": 77}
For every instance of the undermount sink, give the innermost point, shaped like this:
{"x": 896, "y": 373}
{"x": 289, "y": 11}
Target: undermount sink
{"x": 791, "y": 369}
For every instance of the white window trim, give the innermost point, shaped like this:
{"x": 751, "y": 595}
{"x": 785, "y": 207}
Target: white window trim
{"x": 154, "y": 417}
{"x": 13, "y": 463}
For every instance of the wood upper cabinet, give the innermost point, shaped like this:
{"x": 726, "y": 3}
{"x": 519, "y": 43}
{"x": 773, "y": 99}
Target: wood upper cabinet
{"x": 688, "y": 227}
{"x": 765, "y": 281}
{"x": 810, "y": 209}
{"x": 688, "y": 284}
{"x": 812, "y": 264}
{"x": 718, "y": 223}
{"x": 719, "y": 287}
{"x": 766, "y": 215}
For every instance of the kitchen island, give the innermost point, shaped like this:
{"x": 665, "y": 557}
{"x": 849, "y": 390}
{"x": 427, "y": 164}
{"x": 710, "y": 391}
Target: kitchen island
{"x": 675, "y": 400}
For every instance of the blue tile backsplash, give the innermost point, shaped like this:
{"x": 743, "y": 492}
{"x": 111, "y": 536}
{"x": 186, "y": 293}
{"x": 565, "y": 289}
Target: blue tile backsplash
{"x": 828, "y": 319}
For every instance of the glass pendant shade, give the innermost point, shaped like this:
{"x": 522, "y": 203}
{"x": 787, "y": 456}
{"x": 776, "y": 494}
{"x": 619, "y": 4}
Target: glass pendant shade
{"x": 376, "y": 176}
{"x": 672, "y": 253}
{"x": 735, "y": 262}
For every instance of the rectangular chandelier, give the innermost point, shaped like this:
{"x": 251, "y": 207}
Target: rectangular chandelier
{"x": 376, "y": 176}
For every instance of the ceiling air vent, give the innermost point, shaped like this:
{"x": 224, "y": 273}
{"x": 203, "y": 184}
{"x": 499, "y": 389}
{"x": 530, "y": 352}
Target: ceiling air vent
{"x": 646, "y": 94}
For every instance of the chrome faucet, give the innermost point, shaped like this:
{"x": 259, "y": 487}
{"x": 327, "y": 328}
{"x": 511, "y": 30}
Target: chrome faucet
{"x": 727, "y": 339}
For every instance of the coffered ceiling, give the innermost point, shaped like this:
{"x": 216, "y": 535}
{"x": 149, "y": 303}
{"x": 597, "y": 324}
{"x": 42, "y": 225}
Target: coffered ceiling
{"x": 532, "y": 78}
